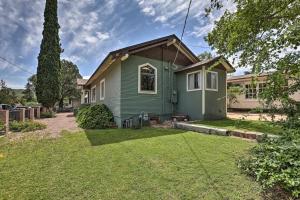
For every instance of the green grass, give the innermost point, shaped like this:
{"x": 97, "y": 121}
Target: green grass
{"x": 246, "y": 125}
{"x": 126, "y": 164}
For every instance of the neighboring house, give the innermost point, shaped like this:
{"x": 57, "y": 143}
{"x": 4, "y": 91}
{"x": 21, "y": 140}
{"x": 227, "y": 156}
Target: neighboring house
{"x": 84, "y": 95}
{"x": 143, "y": 79}
{"x": 252, "y": 85}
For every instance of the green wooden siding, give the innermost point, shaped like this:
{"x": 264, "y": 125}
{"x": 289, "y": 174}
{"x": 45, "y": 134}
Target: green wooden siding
{"x": 133, "y": 103}
{"x": 189, "y": 102}
{"x": 215, "y": 101}
{"x": 112, "y": 90}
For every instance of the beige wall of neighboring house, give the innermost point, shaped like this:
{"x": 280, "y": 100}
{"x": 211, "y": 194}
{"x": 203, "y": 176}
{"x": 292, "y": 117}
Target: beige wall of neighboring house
{"x": 249, "y": 98}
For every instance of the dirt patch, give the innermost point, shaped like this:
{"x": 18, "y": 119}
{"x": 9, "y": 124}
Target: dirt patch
{"x": 254, "y": 116}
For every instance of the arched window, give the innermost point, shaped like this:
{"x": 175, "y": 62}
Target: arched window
{"x": 147, "y": 79}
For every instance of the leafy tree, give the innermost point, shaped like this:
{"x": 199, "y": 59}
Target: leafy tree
{"x": 68, "y": 83}
{"x": 205, "y": 55}
{"x": 7, "y": 95}
{"x": 263, "y": 34}
{"x": 48, "y": 71}
{"x": 29, "y": 92}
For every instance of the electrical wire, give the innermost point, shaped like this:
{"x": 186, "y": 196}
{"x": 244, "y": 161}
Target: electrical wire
{"x": 21, "y": 68}
{"x": 186, "y": 17}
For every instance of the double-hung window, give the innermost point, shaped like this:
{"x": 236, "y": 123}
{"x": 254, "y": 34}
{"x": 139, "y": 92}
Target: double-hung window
{"x": 194, "y": 81}
{"x": 250, "y": 91}
{"x": 212, "y": 81}
{"x": 147, "y": 79}
{"x": 93, "y": 94}
{"x": 102, "y": 89}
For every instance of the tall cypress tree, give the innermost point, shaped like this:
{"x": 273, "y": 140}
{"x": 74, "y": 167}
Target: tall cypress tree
{"x": 48, "y": 71}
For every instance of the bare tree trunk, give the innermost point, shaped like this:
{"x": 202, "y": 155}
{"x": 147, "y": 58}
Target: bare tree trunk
{"x": 61, "y": 104}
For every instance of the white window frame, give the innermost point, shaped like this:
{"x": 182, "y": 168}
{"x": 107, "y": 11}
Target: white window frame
{"x": 217, "y": 84}
{"x": 200, "y": 83}
{"x": 88, "y": 97}
{"x": 102, "y": 82}
{"x": 139, "y": 80}
{"x": 93, "y": 100}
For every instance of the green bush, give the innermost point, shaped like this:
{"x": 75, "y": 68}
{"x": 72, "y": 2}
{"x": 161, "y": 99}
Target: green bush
{"x": 76, "y": 110}
{"x": 95, "y": 117}
{"x": 26, "y": 126}
{"x": 48, "y": 114}
{"x": 276, "y": 163}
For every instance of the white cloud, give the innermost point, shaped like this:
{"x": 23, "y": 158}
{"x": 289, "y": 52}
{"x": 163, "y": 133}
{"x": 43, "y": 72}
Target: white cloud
{"x": 82, "y": 31}
{"x": 86, "y": 77}
{"x": 149, "y": 11}
{"x": 172, "y": 13}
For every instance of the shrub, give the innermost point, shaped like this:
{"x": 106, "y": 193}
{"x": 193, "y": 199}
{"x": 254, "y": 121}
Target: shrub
{"x": 95, "y": 117}
{"x": 76, "y": 110}
{"x": 276, "y": 163}
{"x": 26, "y": 126}
{"x": 48, "y": 114}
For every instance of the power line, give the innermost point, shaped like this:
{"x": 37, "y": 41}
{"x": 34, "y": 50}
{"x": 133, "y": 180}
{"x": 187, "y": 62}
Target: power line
{"x": 21, "y": 68}
{"x": 186, "y": 17}
{"x": 199, "y": 46}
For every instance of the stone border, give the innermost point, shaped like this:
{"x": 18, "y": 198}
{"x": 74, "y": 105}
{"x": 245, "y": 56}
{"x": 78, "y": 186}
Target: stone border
{"x": 219, "y": 131}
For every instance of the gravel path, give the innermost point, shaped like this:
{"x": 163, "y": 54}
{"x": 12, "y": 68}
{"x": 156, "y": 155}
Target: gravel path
{"x": 62, "y": 121}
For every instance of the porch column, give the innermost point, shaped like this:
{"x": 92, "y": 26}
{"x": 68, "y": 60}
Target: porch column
{"x": 203, "y": 90}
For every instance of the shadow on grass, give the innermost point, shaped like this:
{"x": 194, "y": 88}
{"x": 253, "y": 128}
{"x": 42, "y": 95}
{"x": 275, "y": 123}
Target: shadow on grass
{"x": 110, "y": 136}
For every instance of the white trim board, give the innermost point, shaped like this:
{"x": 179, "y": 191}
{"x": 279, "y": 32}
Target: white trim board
{"x": 139, "y": 79}
{"x": 187, "y": 81}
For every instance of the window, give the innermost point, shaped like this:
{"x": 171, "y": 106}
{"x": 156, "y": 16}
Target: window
{"x": 250, "y": 91}
{"x": 147, "y": 79}
{"x": 212, "y": 81}
{"x": 261, "y": 87}
{"x": 93, "y": 96}
{"x": 86, "y": 96}
{"x": 102, "y": 89}
{"x": 194, "y": 81}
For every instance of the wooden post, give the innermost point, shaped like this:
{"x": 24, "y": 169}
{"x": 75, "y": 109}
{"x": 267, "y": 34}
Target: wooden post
{"x": 31, "y": 113}
{"x": 4, "y": 117}
{"x": 38, "y": 112}
{"x": 22, "y": 115}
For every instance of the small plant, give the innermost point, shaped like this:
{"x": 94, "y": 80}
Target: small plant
{"x": 48, "y": 114}
{"x": 26, "y": 126}
{"x": 275, "y": 163}
{"x": 95, "y": 117}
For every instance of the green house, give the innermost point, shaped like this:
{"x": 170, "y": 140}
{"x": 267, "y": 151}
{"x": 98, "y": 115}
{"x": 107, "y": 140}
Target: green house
{"x": 159, "y": 78}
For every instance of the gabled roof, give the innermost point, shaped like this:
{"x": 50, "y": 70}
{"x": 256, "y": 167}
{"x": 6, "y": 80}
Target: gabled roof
{"x": 229, "y": 68}
{"x": 169, "y": 40}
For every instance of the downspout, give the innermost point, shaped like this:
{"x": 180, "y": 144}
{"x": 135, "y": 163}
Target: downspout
{"x": 203, "y": 91}
{"x": 226, "y": 94}
{"x": 163, "y": 81}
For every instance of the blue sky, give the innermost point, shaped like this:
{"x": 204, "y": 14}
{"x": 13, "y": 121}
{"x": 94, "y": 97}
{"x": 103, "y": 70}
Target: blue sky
{"x": 92, "y": 28}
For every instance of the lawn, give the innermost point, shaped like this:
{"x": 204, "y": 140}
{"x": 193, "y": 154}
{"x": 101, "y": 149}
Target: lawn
{"x": 246, "y": 125}
{"x": 126, "y": 164}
